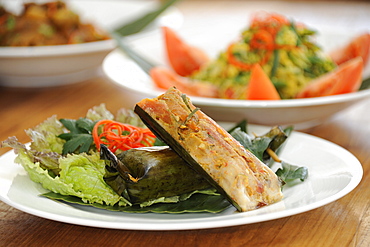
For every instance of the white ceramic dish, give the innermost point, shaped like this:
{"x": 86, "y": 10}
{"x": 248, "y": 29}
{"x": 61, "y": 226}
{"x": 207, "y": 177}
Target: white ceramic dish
{"x": 302, "y": 113}
{"x": 52, "y": 65}
{"x": 48, "y": 66}
{"x": 333, "y": 173}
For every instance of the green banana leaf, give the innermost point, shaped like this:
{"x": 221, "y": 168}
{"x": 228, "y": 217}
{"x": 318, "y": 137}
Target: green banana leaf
{"x": 139, "y": 24}
{"x": 197, "y": 203}
{"x": 142, "y": 175}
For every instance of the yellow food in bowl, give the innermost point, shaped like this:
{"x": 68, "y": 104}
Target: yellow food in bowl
{"x": 51, "y": 23}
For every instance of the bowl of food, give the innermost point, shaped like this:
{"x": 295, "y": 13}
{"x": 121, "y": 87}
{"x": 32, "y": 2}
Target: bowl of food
{"x": 276, "y": 73}
{"x": 47, "y": 44}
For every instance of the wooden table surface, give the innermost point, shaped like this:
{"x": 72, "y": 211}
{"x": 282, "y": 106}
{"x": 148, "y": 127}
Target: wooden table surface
{"x": 345, "y": 222}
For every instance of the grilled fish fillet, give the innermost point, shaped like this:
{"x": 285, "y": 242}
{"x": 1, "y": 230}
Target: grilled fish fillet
{"x": 212, "y": 151}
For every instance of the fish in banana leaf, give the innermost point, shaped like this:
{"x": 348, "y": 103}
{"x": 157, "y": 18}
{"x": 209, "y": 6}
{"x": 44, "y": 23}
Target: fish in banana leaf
{"x": 210, "y": 150}
{"x": 146, "y": 174}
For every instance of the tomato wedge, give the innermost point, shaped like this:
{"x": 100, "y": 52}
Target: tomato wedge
{"x": 346, "y": 78}
{"x": 183, "y": 58}
{"x": 359, "y": 46}
{"x": 165, "y": 78}
{"x": 260, "y": 86}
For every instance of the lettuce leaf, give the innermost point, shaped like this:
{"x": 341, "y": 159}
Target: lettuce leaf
{"x": 99, "y": 112}
{"x": 44, "y": 136}
{"x": 76, "y": 175}
{"x": 80, "y": 175}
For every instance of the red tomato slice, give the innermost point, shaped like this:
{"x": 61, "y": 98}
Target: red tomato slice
{"x": 183, "y": 58}
{"x": 359, "y": 46}
{"x": 260, "y": 86}
{"x": 346, "y": 78}
{"x": 165, "y": 78}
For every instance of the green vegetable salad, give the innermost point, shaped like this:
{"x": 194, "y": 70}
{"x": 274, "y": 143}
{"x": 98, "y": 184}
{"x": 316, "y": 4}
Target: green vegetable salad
{"x": 284, "y": 49}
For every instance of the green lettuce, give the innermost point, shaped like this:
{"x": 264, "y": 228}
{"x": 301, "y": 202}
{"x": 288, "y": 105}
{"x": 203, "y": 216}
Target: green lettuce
{"x": 79, "y": 175}
{"x": 44, "y": 136}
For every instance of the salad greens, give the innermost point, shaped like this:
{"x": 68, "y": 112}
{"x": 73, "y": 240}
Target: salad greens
{"x": 290, "y": 174}
{"x": 286, "y": 51}
{"x": 63, "y": 159}
{"x": 73, "y": 175}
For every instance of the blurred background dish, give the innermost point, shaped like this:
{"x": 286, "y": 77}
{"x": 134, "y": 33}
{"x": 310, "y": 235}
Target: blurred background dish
{"x": 303, "y": 113}
{"x": 47, "y": 43}
{"x": 38, "y": 65}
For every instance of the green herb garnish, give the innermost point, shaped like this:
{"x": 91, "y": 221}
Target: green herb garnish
{"x": 191, "y": 115}
{"x": 291, "y": 174}
{"x": 79, "y": 139}
{"x": 266, "y": 148}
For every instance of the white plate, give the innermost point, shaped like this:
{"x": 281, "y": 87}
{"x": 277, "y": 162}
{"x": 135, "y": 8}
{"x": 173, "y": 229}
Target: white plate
{"x": 333, "y": 172}
{"x": 302, "y": 113}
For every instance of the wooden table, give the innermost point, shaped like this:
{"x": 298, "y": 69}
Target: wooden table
{"x": 344, "y": 222}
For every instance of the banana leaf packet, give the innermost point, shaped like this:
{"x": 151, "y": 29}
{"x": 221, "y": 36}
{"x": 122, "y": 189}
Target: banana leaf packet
{"x": 135, "y": 182}
{"x": 150, "y": 175}
{"x": 147, "y": 175}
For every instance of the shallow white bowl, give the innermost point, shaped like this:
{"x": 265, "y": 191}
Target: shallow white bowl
{"x": 302, "y": 113}
{"x": 46, "y": 66}
{"x": 41, "y": 66}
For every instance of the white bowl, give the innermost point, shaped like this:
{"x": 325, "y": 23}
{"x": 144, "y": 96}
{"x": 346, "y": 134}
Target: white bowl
{"x": 46, "y": 66}
{"x": 41, "y": 66}
{"x": 302, "y": 113}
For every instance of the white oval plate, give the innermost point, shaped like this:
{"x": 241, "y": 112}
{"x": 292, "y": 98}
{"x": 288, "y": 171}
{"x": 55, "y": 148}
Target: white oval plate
{"x": 302, "y": 113}
{"x": 333, "y": 173}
